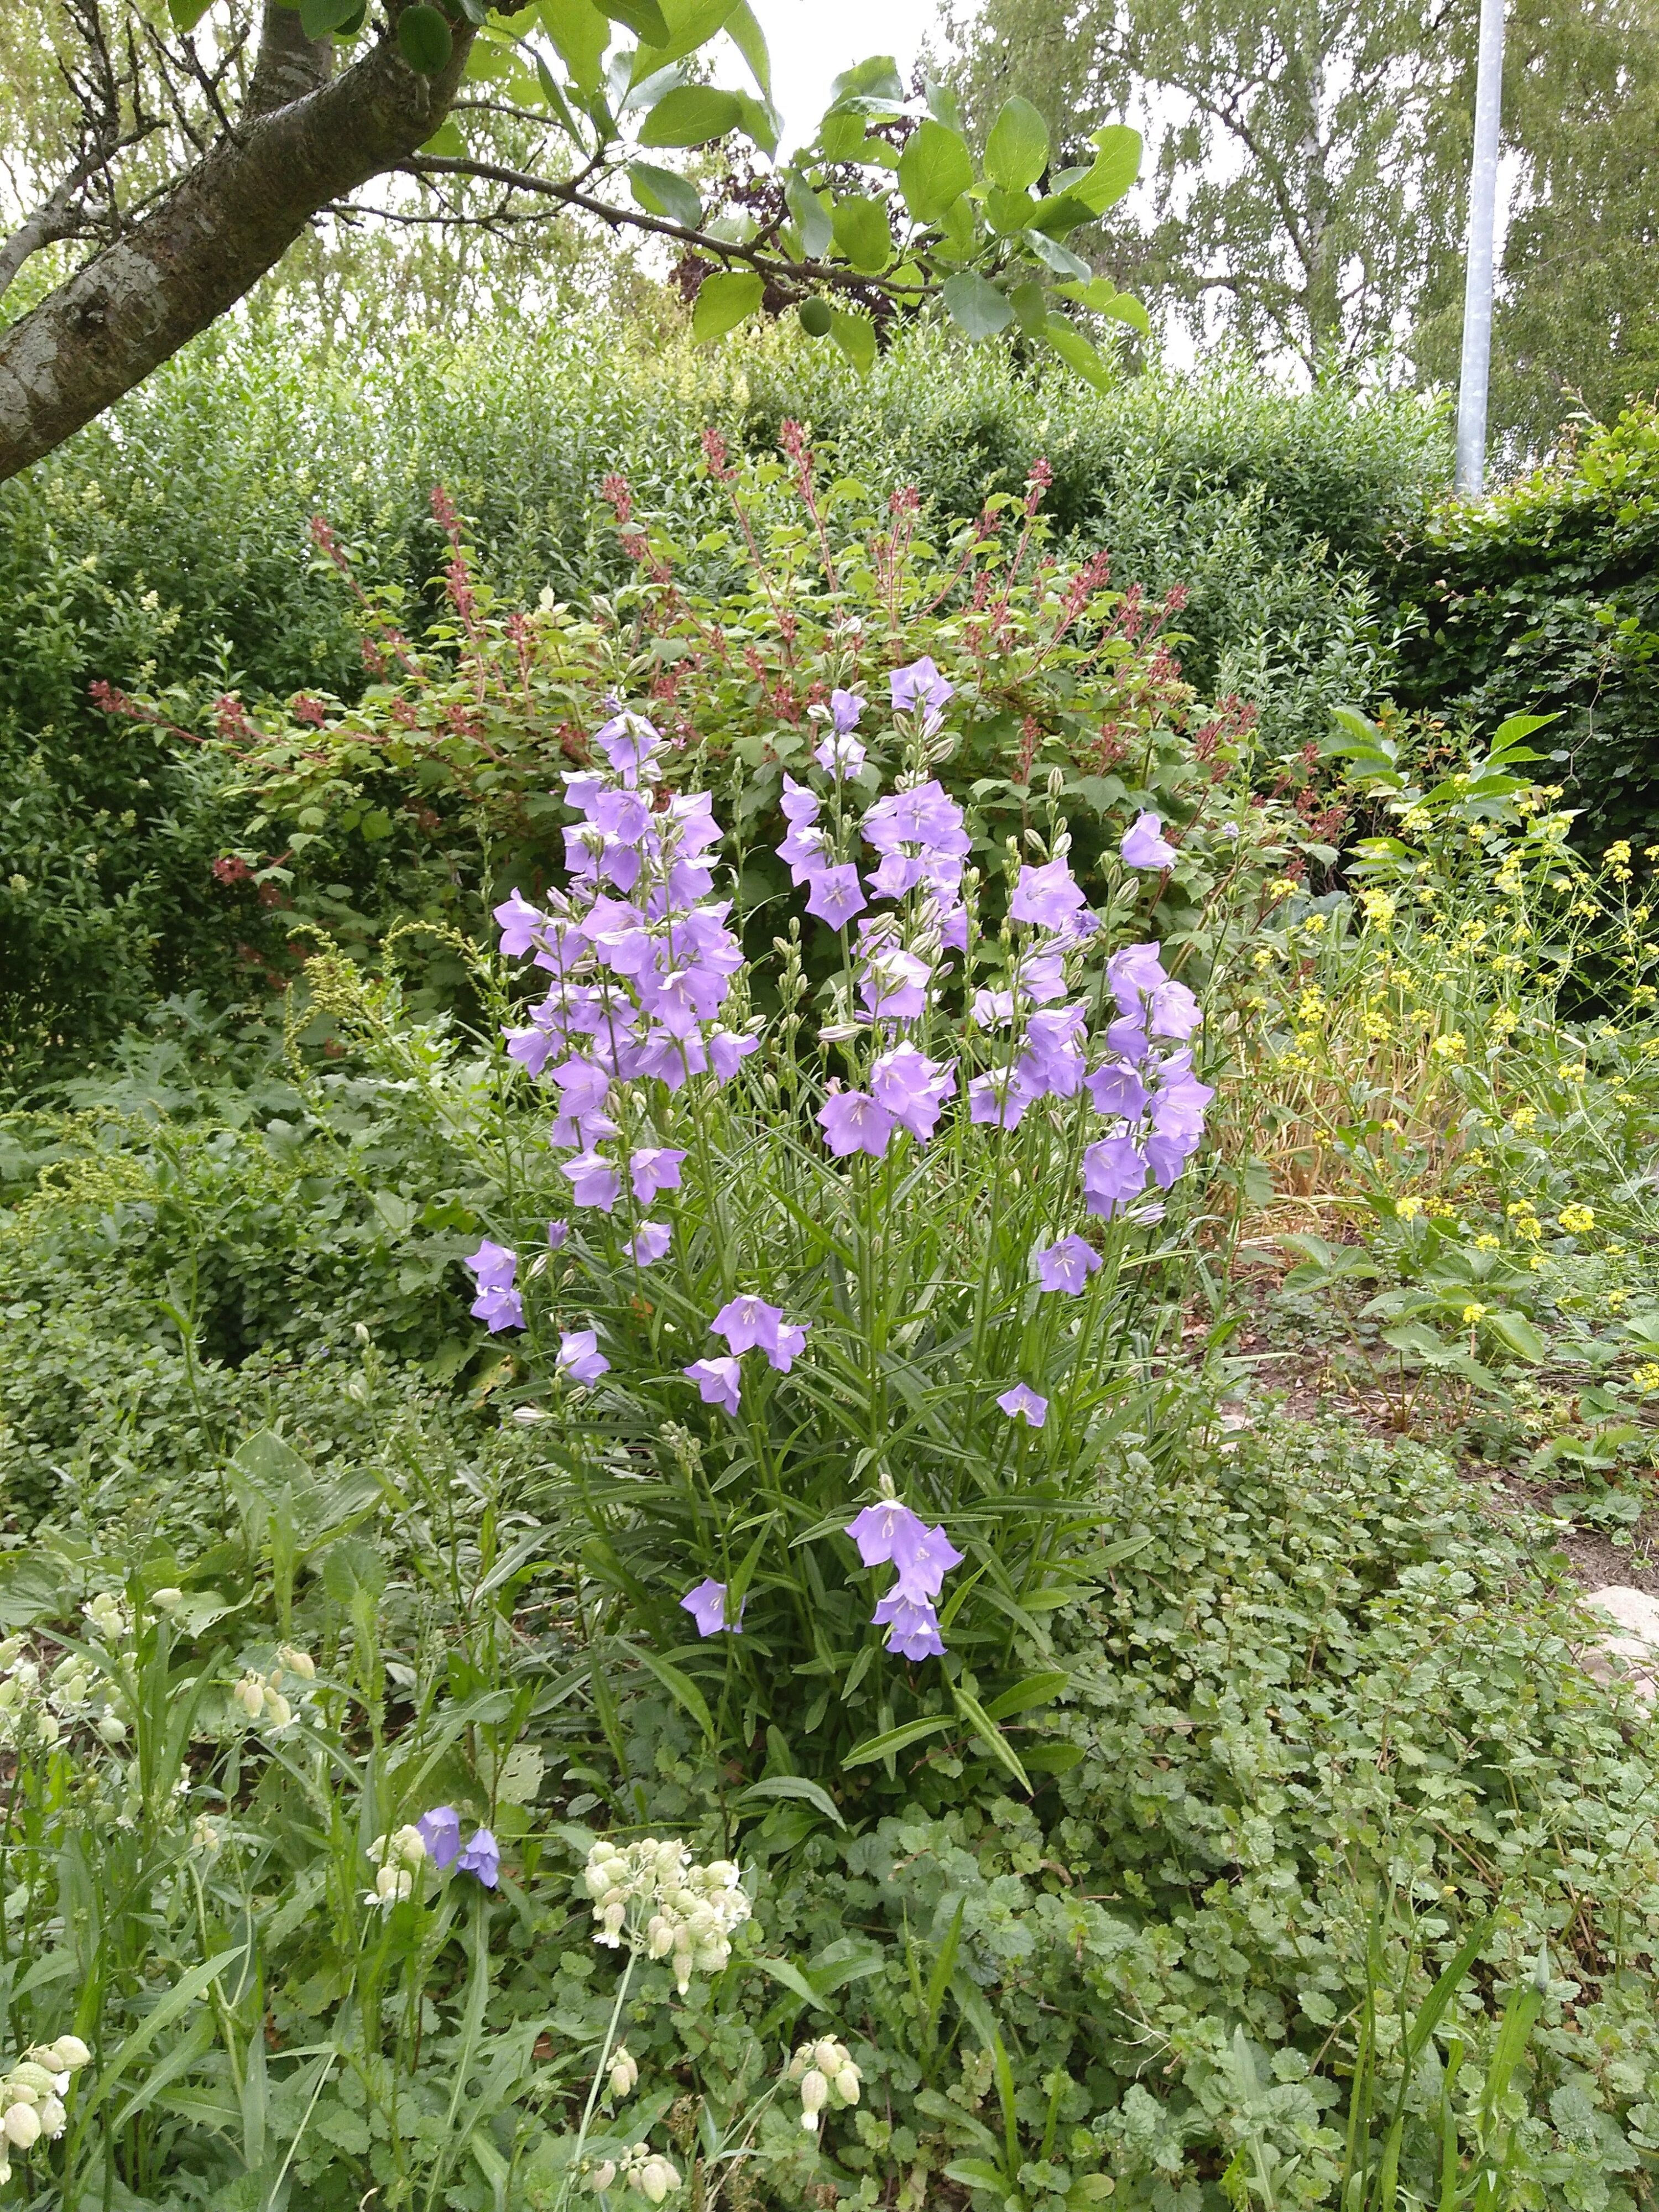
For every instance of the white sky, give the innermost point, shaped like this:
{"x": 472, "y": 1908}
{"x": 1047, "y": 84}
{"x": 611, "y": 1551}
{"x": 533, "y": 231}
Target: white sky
{"x": 812, "y": 40}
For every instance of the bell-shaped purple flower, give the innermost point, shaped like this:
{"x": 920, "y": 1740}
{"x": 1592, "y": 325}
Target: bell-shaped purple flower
{"x": 1047, "y": 896}
{"x": 1114, "y": 1172}
{"x": 650, "y": 1241}
{"x": 593, "y": 1181}
{"x": 1144, "y": 847}
{"x": 440, "y": 1829}
{"x": 845, "y": 707}
{"x": 519, "y": 922}
{"x": 719, "y": 1381}
{"x": 835, "y": 895}
{"x": 746, "y": 1322}
{"x": 580, "y": 1356}
{"x": 1023, "y": 1403}
{"x": 913, "y": 1627}
{"x": 652, "y": 1168}
{"x": 1118, "y": 1090}
{"x": 481, "y": 1858}
{"x": 1067, "y": 1266}
{"x": 854, "y": 1122}
{"x": 707, "y": 1606}
{"x": 841, "y": 754}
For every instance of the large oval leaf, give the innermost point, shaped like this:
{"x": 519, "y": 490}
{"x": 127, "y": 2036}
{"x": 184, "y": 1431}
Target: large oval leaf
{"x": 975, "y": 305}
{"x": 1116, "y": 165}
{"x": 722, "y": 303}
{"x": 1016, "y": 151}
{"x": 860, "y": 230}
{"x": 934, "y": 170}
{"x": 691, "y": 115}
{"x": 856, "y": 337}
{"x": 660, "y": 192}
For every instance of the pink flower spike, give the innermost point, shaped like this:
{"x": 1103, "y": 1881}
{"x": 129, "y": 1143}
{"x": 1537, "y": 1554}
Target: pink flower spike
{"x": 1022, "y": 1403}
{"x": 718, "y": 1381}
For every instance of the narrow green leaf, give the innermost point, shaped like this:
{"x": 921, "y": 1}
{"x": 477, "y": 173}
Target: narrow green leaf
{"x": 780, "y": 1970}
{"x": 990, "y": 1735}
{"x": 791, "y": 1786}
{"x": 1035, "y": 1690}
{"x": 884, "y": 1746}
{"x": 1016, "y": 151}
{"x": 683, "y": 1691}
{"x": 975, "y": 305}
{"x": 744, "y": 30}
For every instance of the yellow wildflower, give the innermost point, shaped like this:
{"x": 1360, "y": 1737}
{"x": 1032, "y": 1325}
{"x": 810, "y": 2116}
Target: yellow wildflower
{"x": 1407, "y": 1209}
{"x": 1486, "y": 1242}
{"x": 1524, "y": 1119}
{"x": 1577, "y": 1220}
{"x": 1449, "y": 1047}
{"x": 1646, "y": 1377}
{"x": 1472, "y": 1312}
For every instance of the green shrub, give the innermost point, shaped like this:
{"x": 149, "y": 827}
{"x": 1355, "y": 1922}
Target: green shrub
{"x": 1544, "y": 596}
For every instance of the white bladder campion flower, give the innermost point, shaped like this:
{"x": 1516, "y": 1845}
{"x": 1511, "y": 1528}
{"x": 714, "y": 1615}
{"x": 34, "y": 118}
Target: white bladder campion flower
{"x": 32, "y": 2095}
{"x": 399, "y": 1857}
{"x": 829, "y": 2078}
{"x": 652, "y": 1896}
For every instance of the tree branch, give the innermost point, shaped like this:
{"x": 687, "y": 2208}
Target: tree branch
{"x": 208, "y": 240}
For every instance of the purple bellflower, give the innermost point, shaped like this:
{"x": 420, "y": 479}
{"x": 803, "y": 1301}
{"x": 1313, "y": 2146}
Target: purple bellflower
{"x": 854, "y": 1122}
{"x": 1049, "y": 897}
{"x": 481, "y": 1858}
{"x": 651, "y": 1240}
{"x": 718, "y": 1381}
{"x": 1114, "y": 1172}
{"x": 580, "y": 1356}
{"x": 707, "y": 1606}
{"x": 1145, "y": 846}
{"x": 1024, "y": 1403}
{"x": 1067, "y": 1266}
{"x": 440, "y": 1829}
{"x": 911, "y": 1625}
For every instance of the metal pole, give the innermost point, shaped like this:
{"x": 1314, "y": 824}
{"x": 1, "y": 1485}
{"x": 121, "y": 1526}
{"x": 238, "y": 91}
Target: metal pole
{"x": 1474, "y": 373}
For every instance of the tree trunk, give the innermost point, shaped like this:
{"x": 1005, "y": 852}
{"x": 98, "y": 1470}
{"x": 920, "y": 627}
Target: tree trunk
{"x": 218, "y": 230}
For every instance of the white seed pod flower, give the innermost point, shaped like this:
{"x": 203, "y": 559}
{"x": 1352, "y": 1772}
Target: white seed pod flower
{"x": 814, "y": 2094}
{"x": 656, "y": 2179}
{"x": 602, "y": 2176}
{"x": 250, "y": 1695}
{"x": 279, "y": 1714}
{"x": 22, "y": 2125}
{"x": 53, "y": 2117}
{"x": 49, "y": 1731}
{"x": 10, "y": 1650}
{"x": 298, "y": 1662}
{"x": 31, "y": 2081}
{"x": 113, "y": 1728}
{"x": 70, "y": 2052}
{"x": 166, "y": 1600}
{"x": 827, "y": 2056}
{"x": 624, "y": 2071}
{"x": 848, "y": 2082}
{"x": 205, "y": 1834}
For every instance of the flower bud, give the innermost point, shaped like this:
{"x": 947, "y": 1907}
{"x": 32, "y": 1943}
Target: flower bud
{"x": 30, "y": 2080}
{"x": 298, "y": 1662}
{"x": 602, "y": 2176}
{"x": 113, "y": 1728}
{"x": 22, "y": 2126}
{"x": 168, "y": 1599}
{"x": 49, "y": 1731}
{"x": 278, "y": 1711}
{"x": 624, "y": 2071}
{"x": 848, "y": 2084}
{"x": 70, "y": 2053}
{"x": 828, "y": 2055}
{"x": 250, "y": 1695}
{"x": 814, "y": 2089}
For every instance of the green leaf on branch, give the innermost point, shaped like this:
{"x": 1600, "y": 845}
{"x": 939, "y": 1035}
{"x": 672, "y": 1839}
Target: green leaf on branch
{"x": 644, "y": 18}
{"x": 856, "y": 337}
{"x": 809, "y": 215}
{"x": 1016, "y": 151}
{"x": 747, "y": 36}
{"x": 424, "y": 39}
{"x": 581, "y": 32}
{"x": 1116, "y": 165}
{"x": 1518, "y": 1335}
{"x": 660, "y": 192}
{"x": 318, "y": 18}
{"x": 942, "y": 104}
{"x": 691, "y": 115}
{"x": 1060, "y": 214}
{"x": 976, "y": 306}
{"x": 934, "y": 169}
{"x": 860, "y": 229}
{"x": 876, "y": 80}
{"x": 1123, "y": 307}
{"x": 446, "y": 140}
{"x": 690, "y": 24}
{"x": 185, "y": 15}
{"x": 1030, "y": 306}
{"x": 723, "y": 302}
{"x": 1075, "y": 350}
{"x": 1060, "y": 258}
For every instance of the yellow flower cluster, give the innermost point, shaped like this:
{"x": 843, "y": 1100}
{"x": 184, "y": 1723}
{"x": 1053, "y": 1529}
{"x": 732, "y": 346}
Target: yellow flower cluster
{"x": 1577, "y": 1220}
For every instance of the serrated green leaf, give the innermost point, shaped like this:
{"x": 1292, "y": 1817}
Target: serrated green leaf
{"x": 934, "y": 169}
{"x": 856, "y": 337}
{"x": 1016, "y": 151}
{"x": 660, "y": 192}
{"x": 723, "y": 302}
{"x": 691, "y": 115}
{"x": 975, "y": 305}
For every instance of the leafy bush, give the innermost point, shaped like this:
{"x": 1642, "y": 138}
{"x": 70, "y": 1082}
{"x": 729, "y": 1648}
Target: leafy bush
{"x": 1266, "y": 509}
{"x": 1542, "y": 596}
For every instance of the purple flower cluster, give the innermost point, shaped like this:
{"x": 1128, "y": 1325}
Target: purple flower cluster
{"x": 440, "y": 1829}
{"x": 890, "y": 1533}
{"x": 498, "y": 1306}
{"x": 641, "y": 958}
{"x": 1146, "y": 1085}
{"x": 748, "y": 1324}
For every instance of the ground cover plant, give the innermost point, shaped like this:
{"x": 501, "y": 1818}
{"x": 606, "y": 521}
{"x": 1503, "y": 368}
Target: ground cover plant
{"x": 456, "y": 1441}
